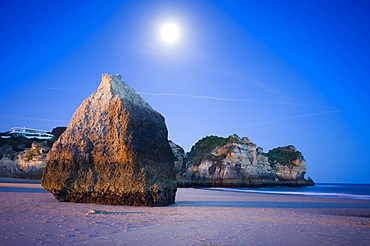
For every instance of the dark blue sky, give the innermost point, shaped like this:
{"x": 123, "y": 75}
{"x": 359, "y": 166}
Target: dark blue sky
{"x": 278, "y": 72}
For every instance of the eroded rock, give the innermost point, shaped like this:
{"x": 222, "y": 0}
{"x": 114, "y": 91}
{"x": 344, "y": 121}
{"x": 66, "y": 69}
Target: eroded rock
{"x": 237, "y": 162}
{"x": 179, "y": 154}
{"x": 114, "y": 151}
{"x": 26, "y": 164}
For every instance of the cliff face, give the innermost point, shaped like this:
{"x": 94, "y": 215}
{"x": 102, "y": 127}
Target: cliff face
{"x": 25, "y": 164}
{"x": 114, "y": 151}
{"x": 287, "y": 162}
{"x": 179, "y": 154}
{"x": 237, "y": 162}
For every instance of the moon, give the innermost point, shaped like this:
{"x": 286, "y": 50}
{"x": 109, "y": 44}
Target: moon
{"x": 170, "y": 33}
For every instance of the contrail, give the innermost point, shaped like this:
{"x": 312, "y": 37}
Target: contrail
{"x": 289, "y": 118}
{"x": 228, "y": 99}
{"x": 202, "y": 97}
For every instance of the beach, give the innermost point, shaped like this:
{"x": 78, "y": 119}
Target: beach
{"x": 29, "y": 215}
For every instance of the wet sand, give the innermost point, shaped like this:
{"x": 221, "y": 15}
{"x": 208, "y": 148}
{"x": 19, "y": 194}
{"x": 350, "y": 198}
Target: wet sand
{"x": 29, "y": 215}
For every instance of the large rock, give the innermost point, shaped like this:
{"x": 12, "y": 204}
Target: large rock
{"x": 288, "y": 164}
{"x": 237, "y": 162}
{"x": 114, "y": 151}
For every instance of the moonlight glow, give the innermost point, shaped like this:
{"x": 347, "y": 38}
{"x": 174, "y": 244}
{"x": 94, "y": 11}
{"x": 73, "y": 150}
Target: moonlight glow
{"x": 170, "y": 33}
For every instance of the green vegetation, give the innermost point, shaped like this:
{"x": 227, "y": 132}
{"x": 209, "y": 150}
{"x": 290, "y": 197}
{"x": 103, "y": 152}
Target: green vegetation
{"x": 57, "y": 131}
{"x": 29, "y": 156}
{"x": 234, "y": 139}
{"x": 202, "y": 149}
{"x": 17, "y": 143}
{"x": 284, "y": 155}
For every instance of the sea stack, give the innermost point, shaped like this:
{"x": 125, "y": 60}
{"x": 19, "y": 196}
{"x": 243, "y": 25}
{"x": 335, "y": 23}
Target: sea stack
{"x": 237, "y": 162}
{"x": 115, "y": 151}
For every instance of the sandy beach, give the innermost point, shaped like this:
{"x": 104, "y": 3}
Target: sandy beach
{"x": 29, "y": 215}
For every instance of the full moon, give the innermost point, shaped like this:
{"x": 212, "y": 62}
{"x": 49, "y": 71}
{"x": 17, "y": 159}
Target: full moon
{"x": 170, "y": 33}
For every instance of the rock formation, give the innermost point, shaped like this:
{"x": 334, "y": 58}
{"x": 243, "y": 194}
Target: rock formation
{"x": 179, "y": 154}
{"x": 288, "y": 163}
{"x": 114, "y": 151}
{"x": 26, "y": 163}
{"x": 237, "y": 162}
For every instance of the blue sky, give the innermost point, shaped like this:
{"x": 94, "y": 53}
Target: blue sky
{"x": 279, "y": 72}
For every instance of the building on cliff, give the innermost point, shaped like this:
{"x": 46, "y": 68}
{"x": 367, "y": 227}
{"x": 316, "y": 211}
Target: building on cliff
{"x": 24, "y": 157}
{"x": 30, "y": 133}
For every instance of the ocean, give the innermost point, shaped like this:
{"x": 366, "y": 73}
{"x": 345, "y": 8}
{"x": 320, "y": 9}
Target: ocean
{"x": 348, "y": 191}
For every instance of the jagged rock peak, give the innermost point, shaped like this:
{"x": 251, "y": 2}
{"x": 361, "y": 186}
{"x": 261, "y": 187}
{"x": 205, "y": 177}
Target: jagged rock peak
{"x": 112, "y": 86}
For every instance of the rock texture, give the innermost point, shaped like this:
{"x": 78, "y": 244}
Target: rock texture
{"x": 114, "y": 151}
{"x": 26, "y": 164}
{"x": 179, "y": 154}
{"x": 237, "y": 162}
{"x": 288, "y": 163}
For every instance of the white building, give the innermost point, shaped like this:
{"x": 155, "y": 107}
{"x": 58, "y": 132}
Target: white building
{"x": 30, "y": 133}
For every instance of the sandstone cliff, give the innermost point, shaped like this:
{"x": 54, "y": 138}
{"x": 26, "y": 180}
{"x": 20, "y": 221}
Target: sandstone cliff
{"x": 287, "y": 162}
{"x": 114, "y": 151}
{"x": 237, "y": 162}
{"x": 26, "y": 164}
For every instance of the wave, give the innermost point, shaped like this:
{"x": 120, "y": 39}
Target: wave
{"x": 300, "y": 193}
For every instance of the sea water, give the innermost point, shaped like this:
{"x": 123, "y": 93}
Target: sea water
{"x": 348, "y": 191}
